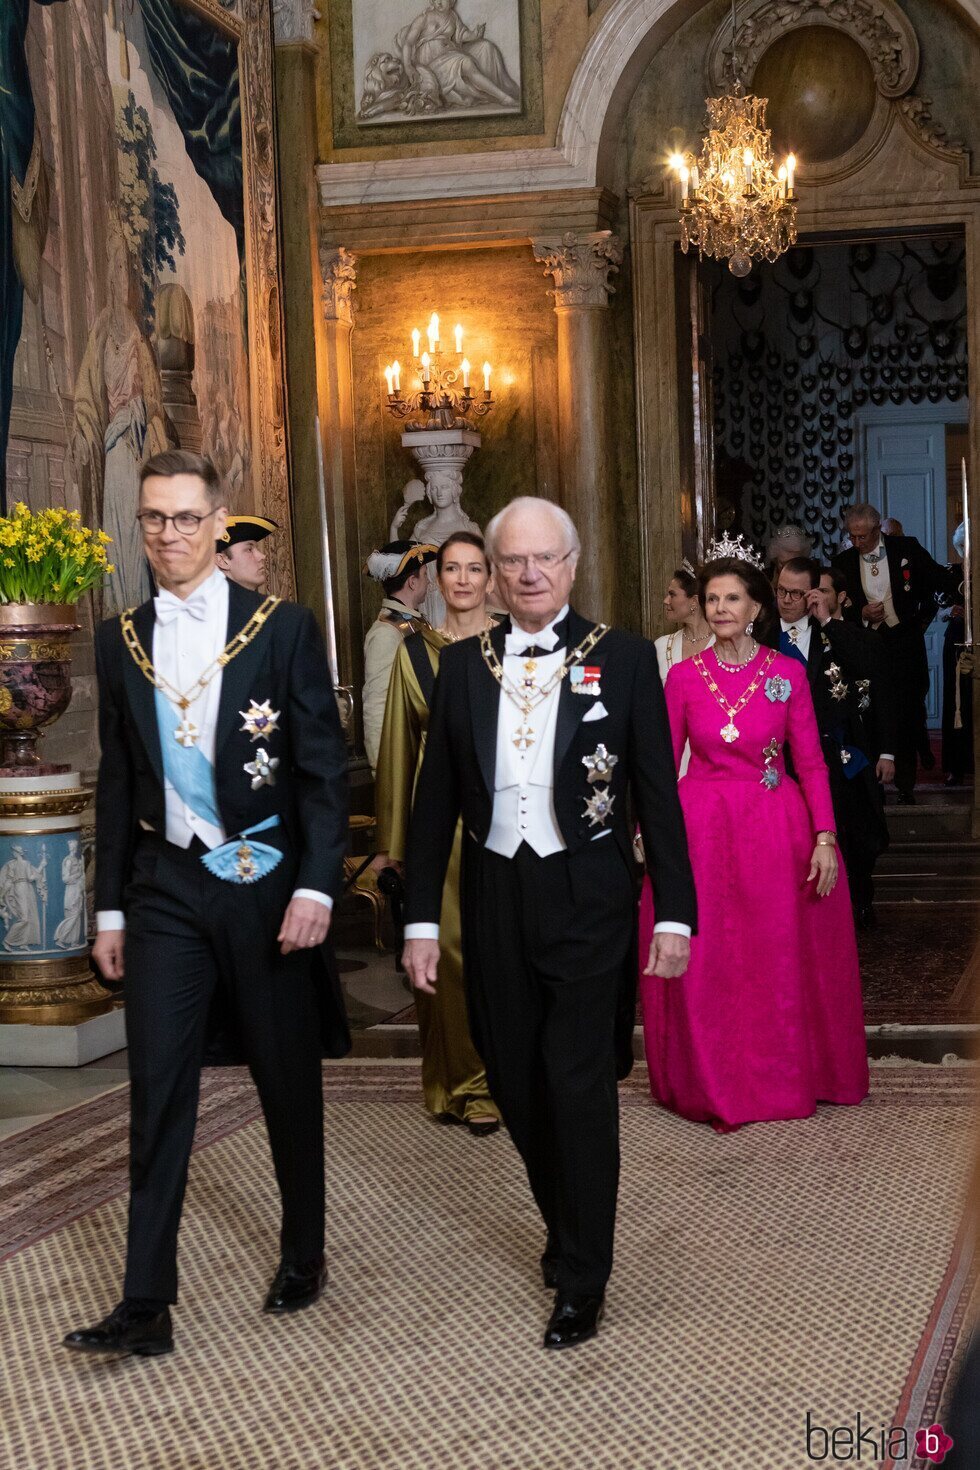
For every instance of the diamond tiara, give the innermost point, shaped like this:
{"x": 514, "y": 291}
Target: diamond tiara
{"x": 738, "y": 548}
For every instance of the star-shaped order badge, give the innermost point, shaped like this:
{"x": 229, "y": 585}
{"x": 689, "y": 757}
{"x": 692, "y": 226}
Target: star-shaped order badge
{"x": 261, "y": 720}
{"x": 262, "y": 769}
{"x": 598, "y": 807}
{"x": 600, "y": 765}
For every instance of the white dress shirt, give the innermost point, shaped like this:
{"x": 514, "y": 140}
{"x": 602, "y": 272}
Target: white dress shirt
{"x": 523, "y": 798}
{"x": 879, "y": 588}
{"x": 188, "y": 635}
{"x": 801, "y": 637}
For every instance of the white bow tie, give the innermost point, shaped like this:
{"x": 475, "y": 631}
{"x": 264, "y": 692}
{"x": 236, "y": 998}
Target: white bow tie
{"x": 167, "y": 607}
{"x": 519, "y": 642}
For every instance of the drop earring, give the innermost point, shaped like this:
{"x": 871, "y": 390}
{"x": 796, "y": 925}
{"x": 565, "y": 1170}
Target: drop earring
{"x": 749, "y": 628}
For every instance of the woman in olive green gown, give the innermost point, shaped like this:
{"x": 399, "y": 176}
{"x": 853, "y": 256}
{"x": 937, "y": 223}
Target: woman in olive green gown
{"x": 454, "y": 1082}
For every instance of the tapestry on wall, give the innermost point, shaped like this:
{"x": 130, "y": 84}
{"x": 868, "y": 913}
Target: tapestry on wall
{"x": 123, "y": 322}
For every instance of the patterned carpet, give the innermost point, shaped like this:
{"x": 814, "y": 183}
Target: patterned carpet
{"x": 813, "y": 1266}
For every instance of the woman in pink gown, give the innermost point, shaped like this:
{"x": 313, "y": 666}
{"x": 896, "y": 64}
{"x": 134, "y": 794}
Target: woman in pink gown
{"x": 767, "y": 1021}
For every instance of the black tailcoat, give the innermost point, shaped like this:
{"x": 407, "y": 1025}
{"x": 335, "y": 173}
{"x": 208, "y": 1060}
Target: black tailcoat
{"x": 457, "y": 776}
{"x": 285, "y": 663}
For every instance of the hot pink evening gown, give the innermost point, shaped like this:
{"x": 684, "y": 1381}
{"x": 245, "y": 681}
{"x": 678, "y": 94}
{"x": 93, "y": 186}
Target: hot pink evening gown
{"x": 768, "y": 1020}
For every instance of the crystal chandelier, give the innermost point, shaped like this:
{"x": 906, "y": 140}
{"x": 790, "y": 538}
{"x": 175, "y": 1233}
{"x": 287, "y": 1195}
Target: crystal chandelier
{"x": 734, "y": 203}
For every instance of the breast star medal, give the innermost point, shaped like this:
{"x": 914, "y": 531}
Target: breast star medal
{"x": 261, "y": 720}
{"x": 600, "y": 766}
{"x": 598, "y": 807}
{"x": 262, "y": 769}
{"x": 771, "y": 778}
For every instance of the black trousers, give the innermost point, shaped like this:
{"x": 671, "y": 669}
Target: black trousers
{"x": 544, "y": 944}
{"x": 193, "y": 942}
{"x": 906, "y": 649}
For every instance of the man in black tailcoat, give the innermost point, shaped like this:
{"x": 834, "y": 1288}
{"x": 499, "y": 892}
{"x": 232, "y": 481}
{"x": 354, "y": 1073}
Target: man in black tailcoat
{"x": 221, "y": 824}
{"x": 893, "y": 585}
{"x": 853, "y": 700}
{"x": 540, "y": 734}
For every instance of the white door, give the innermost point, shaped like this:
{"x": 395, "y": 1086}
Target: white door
{"x": 904, "y": 461}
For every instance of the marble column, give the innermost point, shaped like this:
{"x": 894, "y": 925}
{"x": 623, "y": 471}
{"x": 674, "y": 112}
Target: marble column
{"x": 581, "y": 265}
{"x": 317, "y": 308}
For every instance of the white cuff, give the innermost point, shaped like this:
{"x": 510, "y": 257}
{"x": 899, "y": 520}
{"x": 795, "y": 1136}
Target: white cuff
{"x": 421, "y": 931}
{"x": 887, "y": 758}
{"x": 669, "y": 928}
{"x": 317, "y": 897}
{"x": 109, "y": 919}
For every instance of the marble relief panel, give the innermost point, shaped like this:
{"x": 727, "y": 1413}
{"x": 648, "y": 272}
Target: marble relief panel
{"x": 432, "y": 59}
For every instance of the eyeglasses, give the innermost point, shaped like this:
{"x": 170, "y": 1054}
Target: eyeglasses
{"x": 786, "y": 594}
{"x": 544, "y": 561}
{"x": 154, "y": 522}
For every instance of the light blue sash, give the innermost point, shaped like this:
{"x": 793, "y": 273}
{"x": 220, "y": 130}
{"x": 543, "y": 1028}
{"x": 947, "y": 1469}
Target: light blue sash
{"x": 191, "y": 775}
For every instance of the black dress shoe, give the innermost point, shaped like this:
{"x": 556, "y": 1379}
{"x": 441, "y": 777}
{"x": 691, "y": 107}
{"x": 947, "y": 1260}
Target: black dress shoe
{"x": 128, "y": 1331}
{"x": 296, "y": 1287}
{"x": 483, "y": 1127}
{"x": 905, "y": 798}
{"x": 574, "y": 1320}
{"x": 866, "y": 916}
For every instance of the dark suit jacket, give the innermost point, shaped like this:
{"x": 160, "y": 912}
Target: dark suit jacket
{"x": 914, "y": 594}
{"x": 857, "y": 655}
{"x": 457, "y": 776}
{"x": 285, "y": 663}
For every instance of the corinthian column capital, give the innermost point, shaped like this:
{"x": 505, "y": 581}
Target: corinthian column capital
{"x": 581, "y": 266}
{"x": 293, "y": 20}
{"x": 338, "y": 266}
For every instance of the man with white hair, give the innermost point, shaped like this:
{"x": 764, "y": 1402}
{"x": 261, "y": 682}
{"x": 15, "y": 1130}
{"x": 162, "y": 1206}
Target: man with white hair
{"x": 893, "y": 585}
{"x": 540, "y": 733}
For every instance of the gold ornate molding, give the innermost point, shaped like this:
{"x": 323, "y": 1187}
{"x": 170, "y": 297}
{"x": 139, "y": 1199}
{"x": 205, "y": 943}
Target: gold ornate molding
{"x": 56, "y": 992}
{"x": 338, "y": 267}
{"x": 880, "y": 27}
{"x": 31, "y": 649}
{"x": 581, "y": 266}
{"x": 64, "y": 803}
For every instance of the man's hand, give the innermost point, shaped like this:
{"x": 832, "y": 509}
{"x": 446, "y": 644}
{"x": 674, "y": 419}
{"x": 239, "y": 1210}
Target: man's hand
{"x": 420, "y": 958}
{"x": 306, "y": 924}
{"x": 873, "y": 612}
{"x": 382, "y": 861}
{"x": 107, "y": 952}
{"x": 670, "y": 955}
{"x": 885, "y": 771}
{"x": 818, "y": 604}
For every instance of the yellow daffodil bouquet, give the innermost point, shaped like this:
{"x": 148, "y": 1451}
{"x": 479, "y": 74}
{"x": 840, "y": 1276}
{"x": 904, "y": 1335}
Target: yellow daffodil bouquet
{"x": 49, "y": 556}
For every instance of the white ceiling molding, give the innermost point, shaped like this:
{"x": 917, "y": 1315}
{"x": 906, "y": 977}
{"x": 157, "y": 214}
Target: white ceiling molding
{"x": 616, "y": 55}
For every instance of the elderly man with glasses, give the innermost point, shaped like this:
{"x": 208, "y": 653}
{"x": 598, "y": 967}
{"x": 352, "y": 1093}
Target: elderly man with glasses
{"x": 221, "y": 823}
{"x": 540, "y": 734}
{"x": 853, "y": 699}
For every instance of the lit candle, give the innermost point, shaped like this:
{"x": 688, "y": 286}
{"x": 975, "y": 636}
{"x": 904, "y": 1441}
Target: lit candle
{"x": 790, "y": 173}
{"x": 695, "y": 179}
{"x": 728, "y": 179}
{"x": 416, "y": 341}
{"x": 465, "y": 368}
{"x": 389, "y": 374}
{"x": 781, "y": 176}
{"x": 676, "y": 162}
{"x": 967, "y": 569}
{"x": 685, "y": 181}
{"x": 747, "y": 160}
{"x": 459, "y": 338}
{"x": 425, "y": 367}
{"x": 486, "y": 377}
{"x": 433, "y": 332}
{"x": 396, "y": 373}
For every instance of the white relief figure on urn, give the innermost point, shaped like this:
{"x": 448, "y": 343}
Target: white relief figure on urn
{"x": 70, "y": 933}
{"x": 23, "y": 899}
{"x": 438, "y": 65}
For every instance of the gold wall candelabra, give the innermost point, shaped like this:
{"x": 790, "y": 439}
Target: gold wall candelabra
{"x": 443, "y": 397}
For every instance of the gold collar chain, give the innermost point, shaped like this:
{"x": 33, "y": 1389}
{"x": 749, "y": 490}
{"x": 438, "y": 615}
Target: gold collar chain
{"x": 186, "y": 733}
{"x": 730, "y": 732}
{"x": 528, "y": 700}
